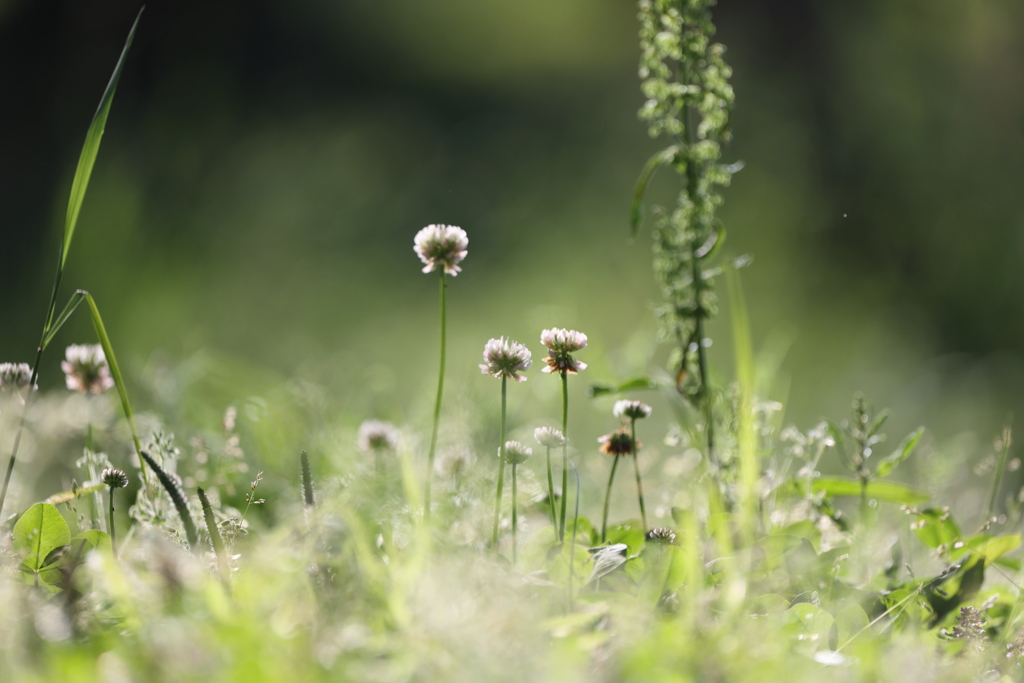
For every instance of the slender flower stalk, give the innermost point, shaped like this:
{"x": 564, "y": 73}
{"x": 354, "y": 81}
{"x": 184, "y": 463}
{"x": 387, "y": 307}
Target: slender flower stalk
{"x": 441, "y": 248}
{"x": 114, "y": 479}
{"x": 549, "y": 438}
{"x": 504, "y": 359}
{"x": 633, "y": 411}
{"x": 516, "y": 454}
{"x": 561, "y": 344}
{"x": 618, "y": 443}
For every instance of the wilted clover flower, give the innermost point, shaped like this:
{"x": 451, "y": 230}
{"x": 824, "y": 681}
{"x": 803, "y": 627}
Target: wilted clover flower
{"x": 560, "y": 344}
{"x": 441, "y": 246}
{"x": 633, "y": 410}
{"x": 505, "y": 359}
{"x": 15, "y": 375}
{"x": 375, "y": 435}
{"x": 548, "y": 436}
{"x": 114, "y": 478}
{"x": 85, "y": 369}
{"x": 661, "y": 535}
{"x": 516, "y": 453}
{"x": 619, "y": 442}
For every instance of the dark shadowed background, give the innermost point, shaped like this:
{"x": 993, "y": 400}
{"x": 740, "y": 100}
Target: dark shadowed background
{"x": 249, "y": 224}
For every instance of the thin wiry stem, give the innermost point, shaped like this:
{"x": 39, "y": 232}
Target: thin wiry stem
{"x": 551, "y": 492}
{"x": 501, "y": 471}
{"x": 515, "y": 519}
{"x": 636, "y": 468}
{"x": 607, "y": 499}
{"x": 1005, "y": 451}
{"x": 437, "y": 403}
{"x": 28, "y": 400}
{"x": 575, "y": 523}
{"x": 565, "y": 453}
{"x": 113, "y": 537}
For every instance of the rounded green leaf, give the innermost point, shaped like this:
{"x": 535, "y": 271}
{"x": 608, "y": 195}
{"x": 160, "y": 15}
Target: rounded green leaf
{"x": 39, "y": 532}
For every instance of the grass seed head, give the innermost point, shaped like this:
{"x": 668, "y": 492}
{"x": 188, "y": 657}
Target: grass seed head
{"x": 441, "y": 246}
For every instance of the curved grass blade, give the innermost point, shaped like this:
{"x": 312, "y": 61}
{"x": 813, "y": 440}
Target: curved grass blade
{"x": 636, "y": 214}
{"x": 177, "y": 498}
{"x": 91, "y": 148}
{"x": 115, "y": 371}
{"x": 215, "y": 539}
{"x": 76, "y": 299}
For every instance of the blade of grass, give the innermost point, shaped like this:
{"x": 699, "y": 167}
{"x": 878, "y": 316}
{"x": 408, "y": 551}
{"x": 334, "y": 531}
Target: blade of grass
{"x": 115, "y": 371}
{"x": 215, "y": 539}
{"x": 76, "y": 299}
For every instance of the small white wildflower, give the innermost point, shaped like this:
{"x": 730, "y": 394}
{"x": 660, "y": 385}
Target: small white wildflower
{"x": 516, "y": 453}
{"x": 561, "y": 343}
{"x": 85, "y": 369}
{"x": 441, "y": 246}
{"x": 454, "y": 462}
{"x": 114, "y": 478}
{"x": 15, "y": 375}
{"x": 375, "y": 435}
{"x": 505, "y": 359}
{"x": 548, "y": 436}
{"x": 633, "y": 410}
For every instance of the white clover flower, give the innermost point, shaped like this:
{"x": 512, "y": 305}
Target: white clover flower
{"x": 454, "y": 462}
{"x": 15, "y": 376}
{"x": 85, "y": 369}
{"x": 441, "y": 246}
{"x": 633, "y": 410}
{"x": 561, "y": 343}
{"x": 114, "y": 478}
{"x": 375, "y": 435}
{"x": 505, "y": 359}
{"x": 548, "y": 436}
{"x": 516, "y": 453}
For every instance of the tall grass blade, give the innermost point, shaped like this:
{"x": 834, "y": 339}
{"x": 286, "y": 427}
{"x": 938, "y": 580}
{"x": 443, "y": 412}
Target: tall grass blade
{"x": 177, "y": 498}
{"x": 91, "y": 148}
{"x": 215, "y": 539}
{"x": 76, "y": 299}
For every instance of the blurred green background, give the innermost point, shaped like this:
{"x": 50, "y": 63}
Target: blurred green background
{"x": 248, "y": 230}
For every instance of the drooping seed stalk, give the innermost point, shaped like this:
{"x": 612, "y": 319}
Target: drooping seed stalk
{"x": 565, "y": 453}
{"x": 636, "y": 469}
{"x": 215, "y": 539}
{"x": 551, "y": 492}
{"x": 501, "y": 472}
{"x": 307, "y": 480}
{"x": 177, "y": 498}
{"x": 607, "y": 499}
{"x": 437, "y": 403}
{"x": 515, "y": 518}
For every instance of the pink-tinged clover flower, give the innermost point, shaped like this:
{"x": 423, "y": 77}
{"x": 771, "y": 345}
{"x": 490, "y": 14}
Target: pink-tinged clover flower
{"x": 505, "y": 359}
{"x": 631, "y": 410}
{"x": 441, "y": 246}
{"x": 85, "y": 369}
{"x": 561, "y": 344}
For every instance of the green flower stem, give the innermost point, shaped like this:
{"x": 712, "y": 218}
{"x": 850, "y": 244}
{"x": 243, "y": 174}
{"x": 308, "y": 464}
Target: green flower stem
{"x": 607, "y": 500}
{"x": 437, "y": 404}
{"x": 501, "y": 471}
{"x": 551, "y": 492}
{"x": 636, "y": 468}
{"x": 28, "y": 400}
{"x": 565, "y": 453}
{"x": 113, "y": 538}
{"x": 515, "y": 518}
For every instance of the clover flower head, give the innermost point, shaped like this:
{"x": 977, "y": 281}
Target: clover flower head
{"x": 560, "y": 344}
{"x": 375, "y": 435}
{"x": 632, "y": 410}
{"x": 441, "y": 246}
{"x": 85, "y": 369}
{"x": 548, "y": 436}
{"x": 15, "y": 376}
{"x": 662, "y": 535}
{"x": 619, "y": 442}
{"x": 505, "y": 359}
{"x": 454, "y": 462}
{"x": 114, "y": 478}
{"x": 516, "y": 453}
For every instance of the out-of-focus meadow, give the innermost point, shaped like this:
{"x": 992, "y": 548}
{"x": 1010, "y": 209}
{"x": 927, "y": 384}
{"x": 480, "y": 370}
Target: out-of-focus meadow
{"x": 248, "y": 230}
